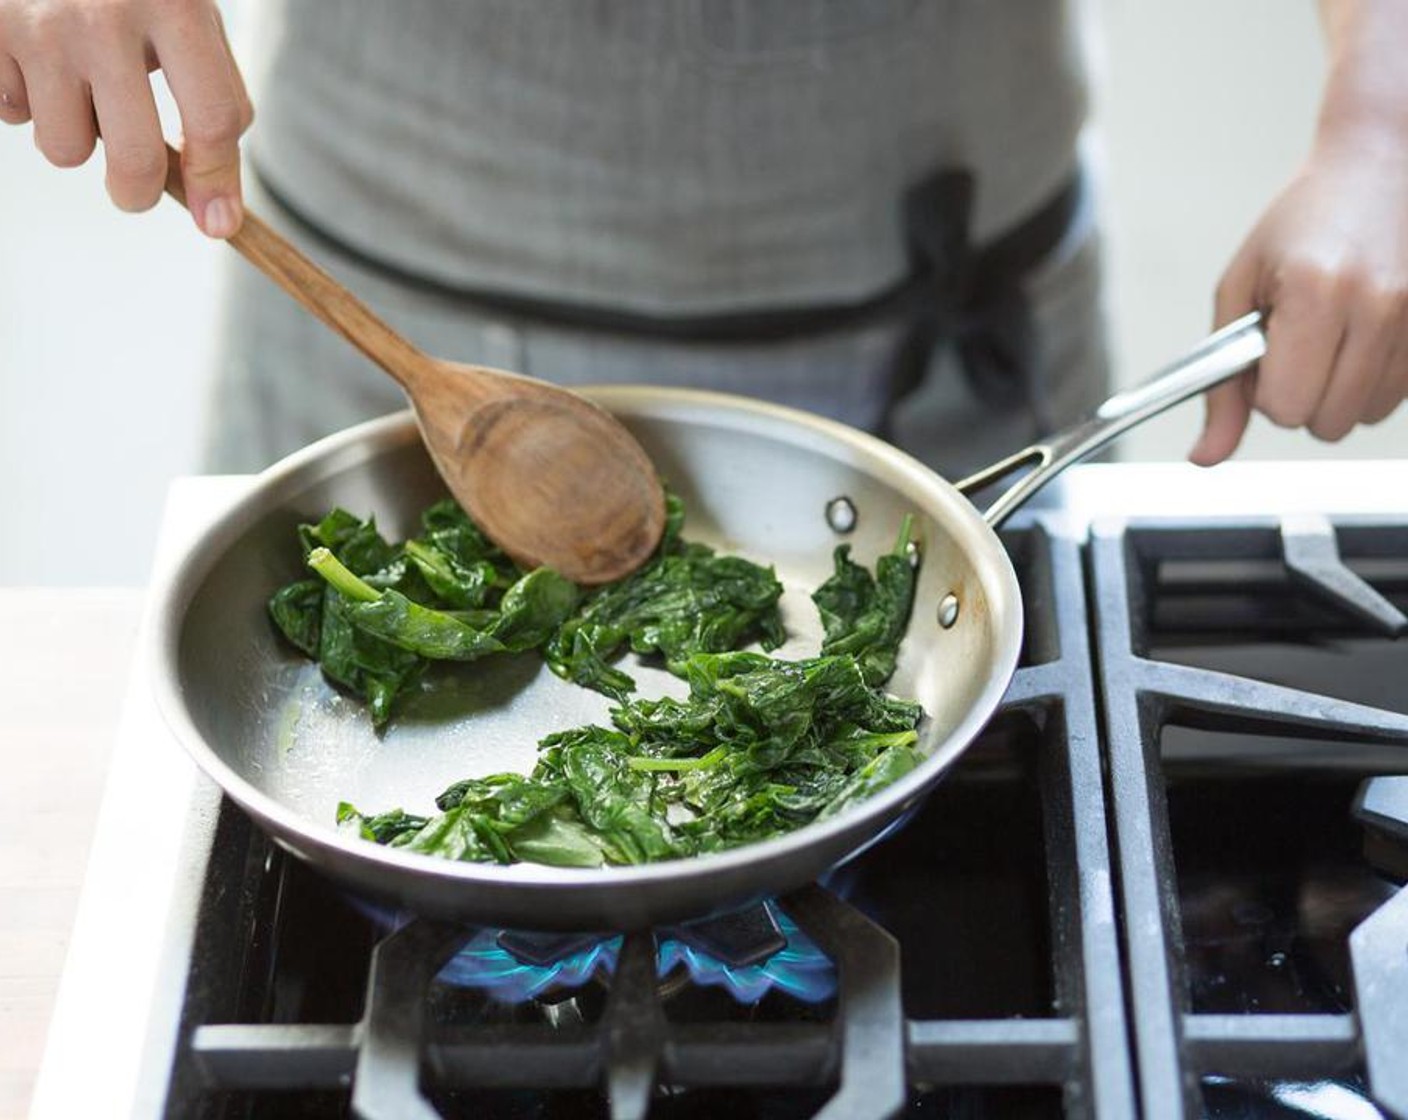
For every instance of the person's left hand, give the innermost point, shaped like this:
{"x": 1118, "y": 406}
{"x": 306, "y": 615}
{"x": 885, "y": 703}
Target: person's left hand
{"x": 1328, "y": 264}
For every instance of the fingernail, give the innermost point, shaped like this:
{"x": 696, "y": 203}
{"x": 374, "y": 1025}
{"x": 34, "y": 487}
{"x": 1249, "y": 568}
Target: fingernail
{"x": 221, "y": 217}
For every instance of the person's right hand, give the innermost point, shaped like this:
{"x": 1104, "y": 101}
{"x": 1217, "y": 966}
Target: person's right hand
{"x": 79, "y": 68}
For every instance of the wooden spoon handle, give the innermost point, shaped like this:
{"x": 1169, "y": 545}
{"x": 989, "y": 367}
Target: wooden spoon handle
{"x": 278, "y": 259}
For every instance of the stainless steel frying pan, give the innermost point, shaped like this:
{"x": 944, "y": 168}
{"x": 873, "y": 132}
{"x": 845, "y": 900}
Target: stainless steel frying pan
{"x": 758, "y": 480}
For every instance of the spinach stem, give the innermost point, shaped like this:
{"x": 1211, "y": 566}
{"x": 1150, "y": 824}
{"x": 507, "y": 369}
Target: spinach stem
{"x": 644, "y": 762}
{"x": 427, "y": 556}
{"x": 341, "y": 577}
{"x": 906, "y": 529}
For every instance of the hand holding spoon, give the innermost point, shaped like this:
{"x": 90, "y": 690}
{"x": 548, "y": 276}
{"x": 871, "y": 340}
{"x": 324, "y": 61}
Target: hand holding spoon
{"x": 550, "y": 477}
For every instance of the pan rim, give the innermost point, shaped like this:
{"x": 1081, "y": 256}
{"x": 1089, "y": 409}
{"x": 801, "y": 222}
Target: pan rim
{"x": 339, "y": 450}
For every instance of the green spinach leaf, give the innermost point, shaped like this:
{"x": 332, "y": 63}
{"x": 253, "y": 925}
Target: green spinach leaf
{"x": 865, "y": 616}
{"x": 687, "y": 600}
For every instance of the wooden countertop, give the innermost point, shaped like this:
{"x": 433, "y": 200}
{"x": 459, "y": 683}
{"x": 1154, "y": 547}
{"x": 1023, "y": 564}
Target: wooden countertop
{"x": 65, "y": 655}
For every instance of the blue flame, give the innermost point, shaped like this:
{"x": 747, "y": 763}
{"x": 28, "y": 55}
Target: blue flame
{"x": 801, "y": 969}
{"x": 484, "y": 963}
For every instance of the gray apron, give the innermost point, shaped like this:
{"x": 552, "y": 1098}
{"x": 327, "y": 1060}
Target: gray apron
{"x": 463, "y": 166}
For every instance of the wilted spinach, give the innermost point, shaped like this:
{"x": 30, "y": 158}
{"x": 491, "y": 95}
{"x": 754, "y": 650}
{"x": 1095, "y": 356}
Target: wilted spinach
{"x": 379, "y": 613}
{"x": 686, "y": 600}
{"x": 313, "y": 616}
{"x": 864, "y": 615}
{"x": 773, "y": 744}
{"x": 760, "y": 747}
{"x": 529, "y": 612}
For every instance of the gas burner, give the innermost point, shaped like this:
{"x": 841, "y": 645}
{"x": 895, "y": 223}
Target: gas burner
{"x": 548, "y": 968}
{"x": 543, "y": 950}
{"x": 745, "y": 937}
{"x": 748, "y": 954}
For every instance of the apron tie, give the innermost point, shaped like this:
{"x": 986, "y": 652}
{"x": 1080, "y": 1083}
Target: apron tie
{"x": 973, "y": 298}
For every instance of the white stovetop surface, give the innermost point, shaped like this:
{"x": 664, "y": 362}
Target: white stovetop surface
{"x": 125, "y": 964}
{"x": 99, "y": 1060}
{"x": 1348, "y": 488}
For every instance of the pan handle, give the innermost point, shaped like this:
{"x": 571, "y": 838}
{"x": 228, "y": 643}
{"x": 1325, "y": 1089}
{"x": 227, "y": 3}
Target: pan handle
{"x": 1218, "y": 357}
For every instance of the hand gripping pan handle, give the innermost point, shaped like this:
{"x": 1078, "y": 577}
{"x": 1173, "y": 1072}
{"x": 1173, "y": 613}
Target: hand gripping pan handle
{"x": 1217, "y": 358}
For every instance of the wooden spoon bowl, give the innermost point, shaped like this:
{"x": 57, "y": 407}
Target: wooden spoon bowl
{"x": 553, "y": 479}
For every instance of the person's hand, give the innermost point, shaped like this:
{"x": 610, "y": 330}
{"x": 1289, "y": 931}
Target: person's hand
{"x": 79, "y": 69}
{"x": 1328, "y": 262}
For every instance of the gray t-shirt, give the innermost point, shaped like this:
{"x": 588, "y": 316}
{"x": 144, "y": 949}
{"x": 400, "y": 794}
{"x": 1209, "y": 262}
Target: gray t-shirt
{"x": 660, "y": 156}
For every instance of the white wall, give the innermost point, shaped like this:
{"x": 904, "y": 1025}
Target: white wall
{"x": 106, "y": 331}
{"x": 1206, "y": 109}
{"x": 106, "y": 319}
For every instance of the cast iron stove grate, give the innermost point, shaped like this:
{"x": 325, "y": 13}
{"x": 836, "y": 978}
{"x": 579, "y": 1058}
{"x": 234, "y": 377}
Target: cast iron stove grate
{"x": 1228, "y": 637}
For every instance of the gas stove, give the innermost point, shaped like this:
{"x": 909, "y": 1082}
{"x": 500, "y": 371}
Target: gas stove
{"x": 1164, "y": 882}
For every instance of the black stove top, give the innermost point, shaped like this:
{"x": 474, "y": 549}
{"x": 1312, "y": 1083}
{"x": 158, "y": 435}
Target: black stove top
{"x": 1164, "y": 882}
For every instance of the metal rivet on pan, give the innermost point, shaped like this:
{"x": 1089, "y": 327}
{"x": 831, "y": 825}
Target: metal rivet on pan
{"x": 841, "y": 514}
{"x": 948, "y": 610}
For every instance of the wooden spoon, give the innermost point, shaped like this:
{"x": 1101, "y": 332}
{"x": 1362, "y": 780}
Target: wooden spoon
{"x": 553, "y": 479}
